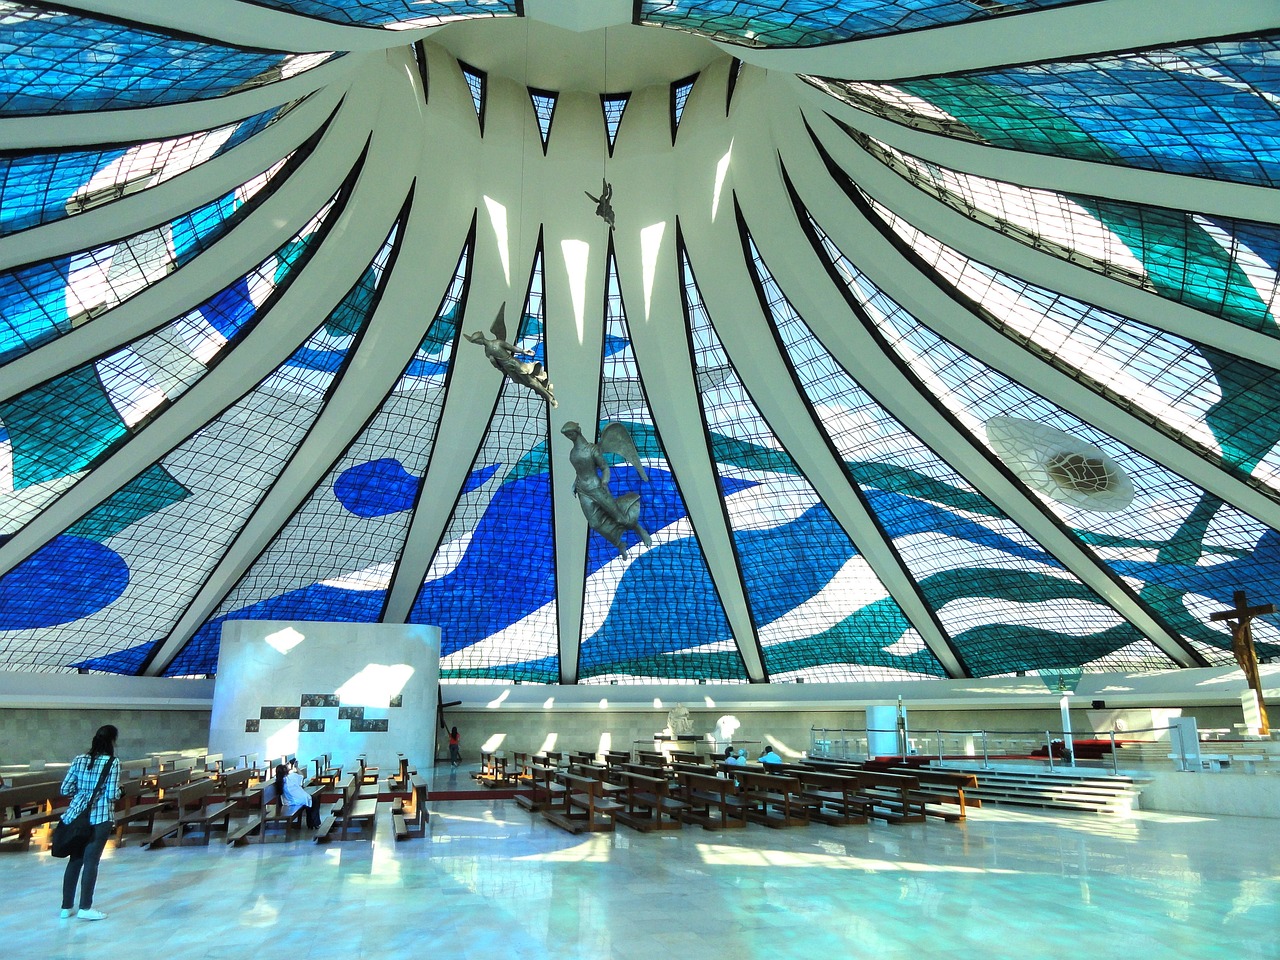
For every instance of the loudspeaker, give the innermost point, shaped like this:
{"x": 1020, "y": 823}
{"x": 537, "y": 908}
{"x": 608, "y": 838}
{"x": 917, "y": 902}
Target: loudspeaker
{"x": 1099, "y": 704}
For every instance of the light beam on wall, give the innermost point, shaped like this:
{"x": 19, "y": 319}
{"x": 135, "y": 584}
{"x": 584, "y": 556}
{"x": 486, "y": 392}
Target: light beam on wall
{"x": 282, "y": 641}
{"x": 650, "y": 245}
{"x": 498, "y": 217}
{"x": 722, "y": 171}
{"x": 375, "y": 685}
{"x": 577, "y": 255}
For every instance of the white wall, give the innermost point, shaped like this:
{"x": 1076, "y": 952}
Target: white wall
{"x": 373, "y": 687}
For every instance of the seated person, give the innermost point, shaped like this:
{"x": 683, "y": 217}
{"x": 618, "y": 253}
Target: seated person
{"x": 738, "y": 759}
{"x": 291, "y": 795}
{"x": 769, "y": 757}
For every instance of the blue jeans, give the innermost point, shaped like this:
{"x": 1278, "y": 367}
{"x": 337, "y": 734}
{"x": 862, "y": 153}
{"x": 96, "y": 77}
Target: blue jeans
{"x": 84, "y": 868}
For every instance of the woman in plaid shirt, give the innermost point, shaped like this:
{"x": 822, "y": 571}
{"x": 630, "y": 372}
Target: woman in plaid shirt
{"x": 79, "y": 785}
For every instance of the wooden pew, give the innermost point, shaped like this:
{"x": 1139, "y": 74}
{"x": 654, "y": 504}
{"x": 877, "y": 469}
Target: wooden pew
{"x": 771, "y": 799}
{"x": 27, "y": 807}
{"x": 896, "y": 796}
{"x": 138, "y": 807}
{"x": 494, "y": 771}
{"x": 411, "y": 820}
{"x": 267, "y": 811}
{"x": 648, "y": 804}
{"x": 197, "y": 804}
{"x": 712, "y": 801}
{"x": 583, "y": 806}
{"x": 834, "y": 798}
{"x": 352, "y": 811}
{"x": 944, "y": 787}
{"x": 543, "y": 788}
{"x": 368, "y": 774}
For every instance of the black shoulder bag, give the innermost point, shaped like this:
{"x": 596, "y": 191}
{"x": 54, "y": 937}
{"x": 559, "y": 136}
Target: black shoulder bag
{"x": 70, "y": 838}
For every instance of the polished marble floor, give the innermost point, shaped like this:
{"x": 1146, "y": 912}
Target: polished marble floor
{"x": 495, "y": 881}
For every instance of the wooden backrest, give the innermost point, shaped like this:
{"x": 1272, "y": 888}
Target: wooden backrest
{"x": 350, "y": 793}
{"x": 707, "y": 783}
{"x": 237, "y": 781}
{"x": 196, "y": 793}
{"x": 30, "y": 795}
{"x": 212, "y": 763}
{"x": 643, "y": 783}
{"x": 757, "y": 779}
{"x": 165, "y": 782}
{"x": 879, "y": 778}
{"x": 577, "y": 783}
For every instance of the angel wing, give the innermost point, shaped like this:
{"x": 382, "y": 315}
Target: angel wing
{"x": 499, "y": 327}
{"x": 615, "y": 438}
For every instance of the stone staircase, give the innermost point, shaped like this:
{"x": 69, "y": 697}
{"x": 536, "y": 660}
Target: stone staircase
{"x": 1060, "y": 789}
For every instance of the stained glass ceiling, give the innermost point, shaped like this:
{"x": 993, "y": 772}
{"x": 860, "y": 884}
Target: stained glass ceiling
{"x": 921, "y": 372}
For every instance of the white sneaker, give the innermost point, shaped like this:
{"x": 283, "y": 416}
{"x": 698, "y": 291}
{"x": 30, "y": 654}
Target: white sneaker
{"x": 65, "y": 913}
{"x": 91, "y": 915}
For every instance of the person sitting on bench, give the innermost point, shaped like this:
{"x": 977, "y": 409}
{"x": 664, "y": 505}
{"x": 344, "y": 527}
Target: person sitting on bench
{"x": 292, "y": 795}
{"x": 769, "y": 756}
{"x": 738, "y": 759}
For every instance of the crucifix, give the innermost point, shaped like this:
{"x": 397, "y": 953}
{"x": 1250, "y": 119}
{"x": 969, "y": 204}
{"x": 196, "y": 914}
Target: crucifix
{"x": 1239, "y": 620}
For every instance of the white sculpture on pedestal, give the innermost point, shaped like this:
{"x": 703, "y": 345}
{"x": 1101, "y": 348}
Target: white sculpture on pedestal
{"x": 678, "y": 720}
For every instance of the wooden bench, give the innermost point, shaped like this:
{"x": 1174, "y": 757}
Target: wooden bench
{"x": 543, "y": 788}
{"x": 896, "y": 796}
{"x": 940, "y": 789}
{"x": 584, "y": 805}
{"x": 352, "y": 811}
{"x": 712, "y": 801}
{"x": 647, "y": 803}
{"x": 411, "y": 820}
{"x": 834, "y": 798}
{"x": 25, "y": 808}
{"x": 197, "y": 804}
{"x": 325, "y": 771}
{"x": 137, "y": 808}
{"x": 160, "y": 783}
{"x": 494, "y": 771}
{"x": 267, "y": 812}
{"x": 772, "y": 799}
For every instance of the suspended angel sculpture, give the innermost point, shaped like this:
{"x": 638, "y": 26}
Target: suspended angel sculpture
{"x": 604, "y": 204}
{"x": 504, "y": 356}
{"x": 609, "y": 516}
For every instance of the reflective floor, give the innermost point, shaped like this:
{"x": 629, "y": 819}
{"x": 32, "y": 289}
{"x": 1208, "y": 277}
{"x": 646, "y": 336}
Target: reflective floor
{"x": 493, "y": 880}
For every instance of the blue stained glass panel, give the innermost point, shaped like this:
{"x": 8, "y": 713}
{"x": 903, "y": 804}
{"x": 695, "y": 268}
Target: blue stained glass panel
{"x": 1205, "y": 109}
{"x": 38, "y": 302}
{"x": 1182, "y": 548}
{"x": 58, "y": 62}
{"x": 803, "y": 23}
{"x": 820, "y": 611}
{"x": 395, "y": 14}
{"x": 656, "y": 615}
{"x": 45, "y": 187}
{"x": 517, "y": 638}
{"x": 259, "y": 434}
{"x": 1006, "y": 603}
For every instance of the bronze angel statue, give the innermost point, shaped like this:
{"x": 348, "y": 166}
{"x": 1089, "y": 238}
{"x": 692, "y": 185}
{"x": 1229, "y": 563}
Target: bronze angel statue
{"x": 608, "y": 515}
{"x": 604, "y": 202}
{"x": 505, "y": 357}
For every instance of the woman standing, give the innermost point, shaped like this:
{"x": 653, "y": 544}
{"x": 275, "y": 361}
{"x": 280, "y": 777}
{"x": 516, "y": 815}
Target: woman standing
{"x": 455, "y": 750}
{"x": 81, "y": 785}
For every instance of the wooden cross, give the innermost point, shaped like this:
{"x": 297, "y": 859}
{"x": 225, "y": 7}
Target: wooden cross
{"x": 1240, "y": 620}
